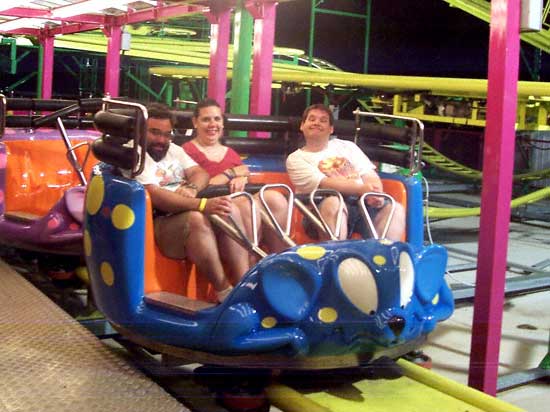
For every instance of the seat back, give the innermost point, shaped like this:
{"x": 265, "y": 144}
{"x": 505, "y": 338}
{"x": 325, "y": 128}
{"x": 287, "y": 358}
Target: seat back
{"x": 170, "y": 275}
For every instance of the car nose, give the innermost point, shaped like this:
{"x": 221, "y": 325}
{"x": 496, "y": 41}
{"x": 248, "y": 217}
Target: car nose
{"x": 396, "y": 324}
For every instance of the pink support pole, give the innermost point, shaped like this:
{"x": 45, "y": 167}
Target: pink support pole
{"x": 112, "y": 62}
{"x": 219, "y": 45}
{"x": 498, "y": 164}
{"x": 264, "y": 39}
{"x": 47, "y": 67}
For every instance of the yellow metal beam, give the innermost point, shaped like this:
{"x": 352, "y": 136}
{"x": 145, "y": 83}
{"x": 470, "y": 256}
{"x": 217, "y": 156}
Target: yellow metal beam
{"x": 434, "y": 85}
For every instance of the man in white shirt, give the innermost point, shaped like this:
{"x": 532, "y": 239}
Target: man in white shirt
{"x": 340, "y": 165}
{"x": 182, "y": 228}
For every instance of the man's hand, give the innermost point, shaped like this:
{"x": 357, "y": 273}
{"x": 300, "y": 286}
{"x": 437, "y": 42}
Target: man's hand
{"x": 218, "y": 206}
{"x": 375, "y": 201}
{"x": 186, "y": 191}
{"x": 373, "y": 186}
{"x": 237, "y": 184}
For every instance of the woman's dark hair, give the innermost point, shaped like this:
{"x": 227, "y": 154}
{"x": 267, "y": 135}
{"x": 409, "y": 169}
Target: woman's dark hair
{"x": 160, "y": 111}
{"x": 205, "y": 103}
{"x": 321, "y": 107}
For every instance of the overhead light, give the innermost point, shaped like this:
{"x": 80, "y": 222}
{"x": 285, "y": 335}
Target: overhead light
{"x": 87, "y": 6}
{"x": 24, "y": 23}
{"x": 14, "y": 3}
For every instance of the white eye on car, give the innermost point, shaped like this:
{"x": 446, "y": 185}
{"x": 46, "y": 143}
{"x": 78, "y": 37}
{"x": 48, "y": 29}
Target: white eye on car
{"x": 406, "y": 278}
{"x": 358, "y": 284}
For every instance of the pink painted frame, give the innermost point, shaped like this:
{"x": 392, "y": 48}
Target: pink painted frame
{"x": 496, "y": 194}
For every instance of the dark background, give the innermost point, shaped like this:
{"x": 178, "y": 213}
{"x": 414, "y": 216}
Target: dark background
{"x": 415, "y": 38}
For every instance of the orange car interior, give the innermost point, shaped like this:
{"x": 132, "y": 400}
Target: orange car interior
{"x": 167, "y": 275}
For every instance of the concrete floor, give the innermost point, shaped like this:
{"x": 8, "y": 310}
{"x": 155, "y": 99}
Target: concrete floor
{"x": 526, "y": 318}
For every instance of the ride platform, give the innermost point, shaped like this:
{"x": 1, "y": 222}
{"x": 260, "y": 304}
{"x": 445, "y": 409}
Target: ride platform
{"x": 49, "y": 362}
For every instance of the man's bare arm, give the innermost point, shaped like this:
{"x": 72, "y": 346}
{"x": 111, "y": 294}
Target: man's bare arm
{"x": 197, "y": 176}
{"x": 171, "y": 202}
{"x": 371, "y": 183}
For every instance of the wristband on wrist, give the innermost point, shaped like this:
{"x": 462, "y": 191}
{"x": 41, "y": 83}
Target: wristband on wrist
{"x": 202, "y": 204}
{"x": 228, "y": 175}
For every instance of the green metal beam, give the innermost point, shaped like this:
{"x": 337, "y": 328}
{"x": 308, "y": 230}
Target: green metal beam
{"x": 69, "y": 69}
{"x": 482, "y": 8}
{"x": 21, "y": 81}
{"x": 145, "y": 87}
{"x": 341, "y": 13}
{"x": 316, "y": 8}
{"x": 40, "y": 71}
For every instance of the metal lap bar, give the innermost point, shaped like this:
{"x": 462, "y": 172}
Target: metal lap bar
{"x": 236, "y": 232}
{"x": 267, "y": 213}
{"x": 325, "y": 227}
{"x": 2, "y": 114}
{"x": 47, "y": 119}
{"x": 417, "y": 139}
{"x": 140, "y": 131}
{"x": 308, "y": 214}
{"x": 73, "y": 160}
{"x": 368, "y": 219}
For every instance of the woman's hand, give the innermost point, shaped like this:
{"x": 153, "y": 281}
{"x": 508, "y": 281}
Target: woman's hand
{"x": 218, "y": 206}
{"x": 237, "y": 184}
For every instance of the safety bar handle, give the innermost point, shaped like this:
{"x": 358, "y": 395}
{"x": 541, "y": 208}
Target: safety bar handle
{"x": 269, "y": 218}
{"x": 231, "y": 227}
{"x": 325, "y": 226}
{"x": 368, "y": 219}
{"x": 71, "y": 156}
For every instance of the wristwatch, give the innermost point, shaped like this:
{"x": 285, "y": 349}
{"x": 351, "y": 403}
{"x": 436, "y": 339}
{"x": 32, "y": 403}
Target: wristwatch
{"x": 191, "y": 186}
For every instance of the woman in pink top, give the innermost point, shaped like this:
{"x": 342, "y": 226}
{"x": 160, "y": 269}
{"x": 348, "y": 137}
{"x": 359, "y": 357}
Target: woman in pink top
{"x": 222, "y": 163}
{"x": 224, "y": 166}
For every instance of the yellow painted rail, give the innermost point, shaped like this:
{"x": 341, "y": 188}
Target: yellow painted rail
{"x": 418, "y": 390}
{"x": 449, "y": 212}
{"x": 437, "y": 159}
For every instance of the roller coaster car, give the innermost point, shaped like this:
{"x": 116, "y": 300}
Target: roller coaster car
{"x": 325, "y": 305}
{"x": 42, "y": 182}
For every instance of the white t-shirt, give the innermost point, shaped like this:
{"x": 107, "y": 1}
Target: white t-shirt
{"x": 341, "y": 158}
{"x": 169, "y": 172}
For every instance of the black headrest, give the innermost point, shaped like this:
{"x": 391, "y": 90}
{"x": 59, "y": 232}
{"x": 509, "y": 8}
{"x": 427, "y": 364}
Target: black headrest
{"x": 115, "y": 123}
{"x": 114, "y": 154}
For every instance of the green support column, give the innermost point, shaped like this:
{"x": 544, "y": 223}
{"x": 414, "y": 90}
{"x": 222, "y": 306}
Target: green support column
{"x": 243, "y": 29}
{"x": 13, "y": 54}
{"x": 169, "y": 94}
{"x": 367, "y": 37}
{"x": 316, "y": 8}
{"x": 40, "y": 72}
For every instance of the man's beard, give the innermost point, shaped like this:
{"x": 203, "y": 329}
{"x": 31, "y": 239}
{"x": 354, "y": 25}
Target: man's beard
{"x": 157, "y": 155}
